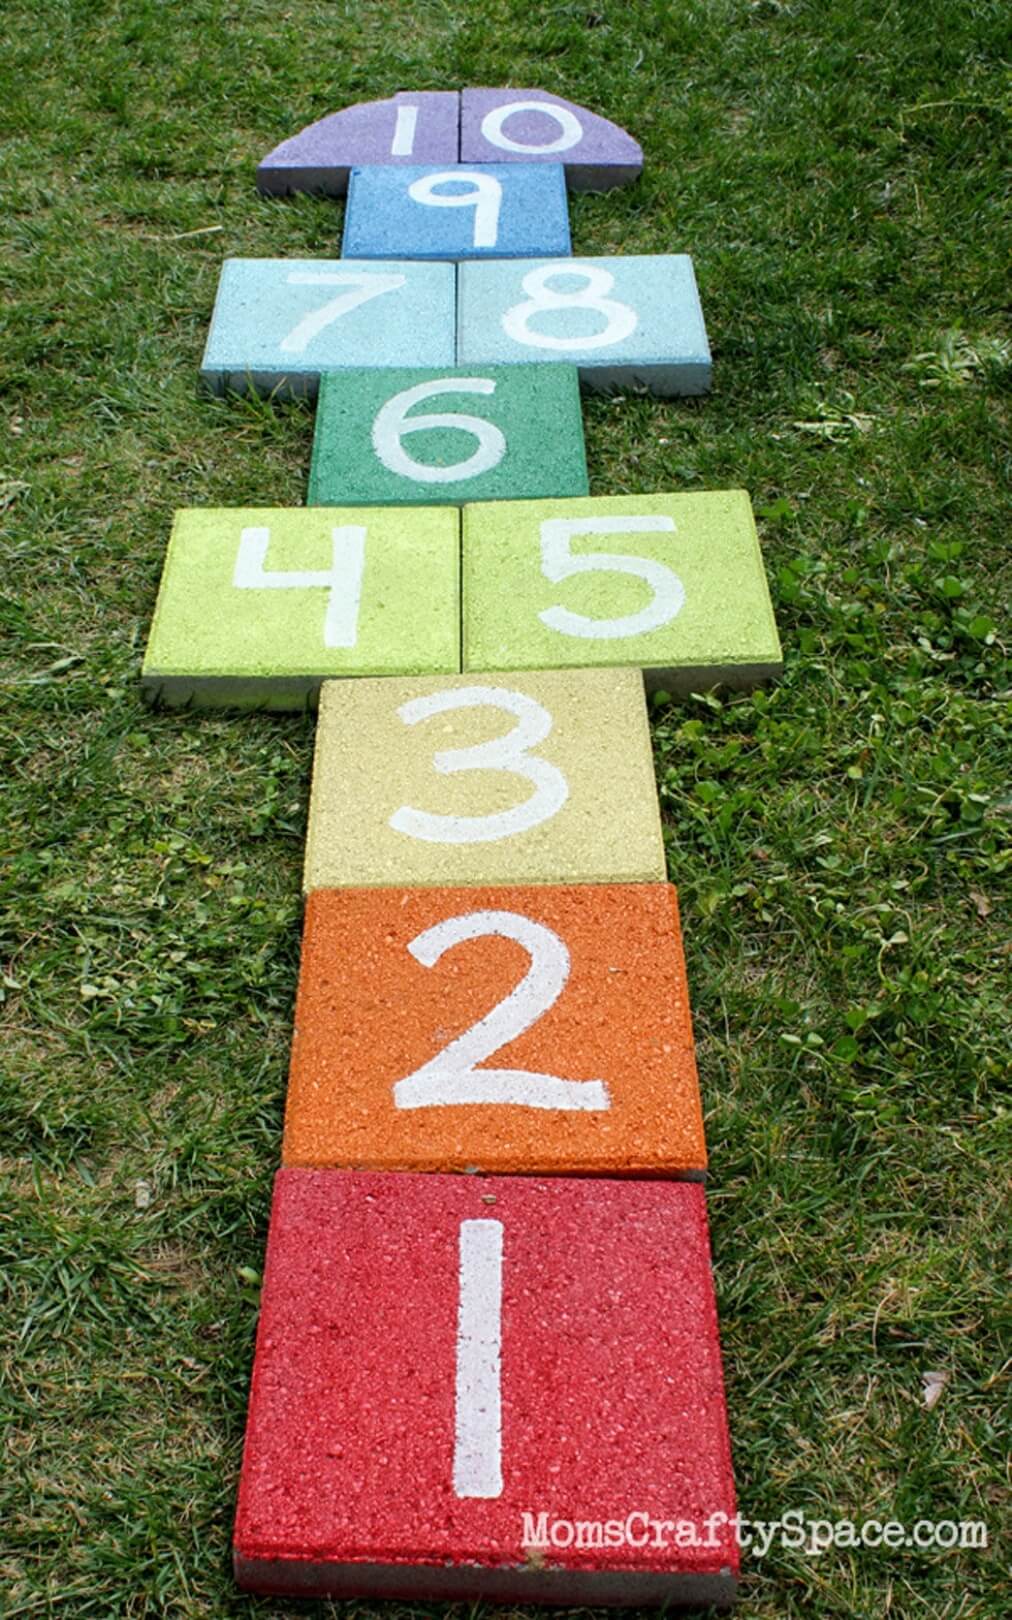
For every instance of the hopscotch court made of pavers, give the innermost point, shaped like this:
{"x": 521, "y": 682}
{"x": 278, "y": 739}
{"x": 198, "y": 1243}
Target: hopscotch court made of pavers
{"x": 488, "y": 1308}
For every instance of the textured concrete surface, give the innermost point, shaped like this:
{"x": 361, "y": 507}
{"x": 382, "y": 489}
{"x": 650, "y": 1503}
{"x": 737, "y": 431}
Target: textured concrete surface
{"x": 371, "y": 1012}
{"x": 544, "y": 585}
{"x": 626, "y": 322}
{"x": 367, "y": 448}
{"x": 438, "y": 1356}
{"x": 415, "y": 126}
{"x": 279, "y": 323}
{"x": 535, "y": 778}
{"x": 597, "y": 153}
{"x": 497, "y": 211}
{"x": 258, "y": 605}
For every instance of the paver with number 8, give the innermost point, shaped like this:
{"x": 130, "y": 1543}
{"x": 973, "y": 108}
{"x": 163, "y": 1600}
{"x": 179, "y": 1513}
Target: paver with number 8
{"x": 673, "y": 583}
{"x": 625, "y": 322}
{"x": 278, "y": 324}
{"x": 530, "y": 778}
{"x": 407, "y": 436}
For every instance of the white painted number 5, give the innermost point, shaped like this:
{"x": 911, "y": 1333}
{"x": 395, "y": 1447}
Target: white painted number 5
{"x": 508, "y": 753}
{"x": 452, "y": 1076}
{"x": 558, "y": 563}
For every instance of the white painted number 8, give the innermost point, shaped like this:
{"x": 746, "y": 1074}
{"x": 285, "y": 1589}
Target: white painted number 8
{"x": 392, "y": 425}
{"x": 485, "y": 197}
{"x": 621, "y": 320}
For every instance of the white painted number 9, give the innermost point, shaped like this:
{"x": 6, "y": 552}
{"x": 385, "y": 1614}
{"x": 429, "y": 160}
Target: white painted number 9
{"x": 392, "y": 426}
{"x": 484, "y": 196}
{"x": 620, "y": 319}
{"x": 508, "y": 753}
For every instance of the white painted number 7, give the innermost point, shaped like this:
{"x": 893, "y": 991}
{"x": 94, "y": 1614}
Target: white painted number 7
{"x": 362, "y": 285}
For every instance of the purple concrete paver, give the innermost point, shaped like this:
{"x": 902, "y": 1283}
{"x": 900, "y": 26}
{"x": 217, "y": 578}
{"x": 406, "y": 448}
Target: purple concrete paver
{"x": 519, "y": 126}
{"x": 414, "y": 126}
{"x": 495, "y": 1387}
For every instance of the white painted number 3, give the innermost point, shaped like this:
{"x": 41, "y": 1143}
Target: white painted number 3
{"x": 392, "y": 426}
{"x": 452, "y": 1076}
{"x": 508, "y": 753}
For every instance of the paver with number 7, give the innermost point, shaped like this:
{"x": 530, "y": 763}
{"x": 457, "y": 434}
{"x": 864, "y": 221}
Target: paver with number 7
{"x": 278, "y": 324}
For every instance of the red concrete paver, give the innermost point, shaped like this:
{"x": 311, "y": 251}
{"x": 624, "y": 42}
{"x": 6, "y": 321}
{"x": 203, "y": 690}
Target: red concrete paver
{"x": 439, "y": 1356}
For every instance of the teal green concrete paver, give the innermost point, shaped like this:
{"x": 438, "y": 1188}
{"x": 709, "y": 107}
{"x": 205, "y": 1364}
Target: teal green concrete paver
{"x": 257, "y": 606}
{"x": 507, "y": 431}
{"x": 673, "y": 583}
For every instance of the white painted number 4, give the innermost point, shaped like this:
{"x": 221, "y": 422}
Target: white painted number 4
{"x": 343, "y": 579}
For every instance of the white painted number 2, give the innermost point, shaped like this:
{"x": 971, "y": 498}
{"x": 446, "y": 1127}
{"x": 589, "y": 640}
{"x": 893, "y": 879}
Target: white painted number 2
{"x": 392, "y": 426}
{"x": 362, "y": 285}
{"x": 620, "y": 319}
{"x": 343, "y": 579}
{"x": 484, "y": 195}
{"x": 559, "y": 563}
{"x": 452, "y": 1076}
{"x": 508, "y": 753}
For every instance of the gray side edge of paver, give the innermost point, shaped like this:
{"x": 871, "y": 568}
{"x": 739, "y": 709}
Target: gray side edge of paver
{"x": 663, "y": 379}
{"x": 231, "y": 691}
{"x": 632, "y": 1588}
{"x": 321, "y": 179}
{"x": 691, "y": 678}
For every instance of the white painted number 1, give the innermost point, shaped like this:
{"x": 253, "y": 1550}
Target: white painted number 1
{"x": 507, "y": 753}
{"x": 343, "y": 579}
{"x": 452, "y": 1076}
{"x": 477, "y": 1448}
{"x": 559, "y": 563}
{"x": 392, "y": 426}
{"x": 362, "y": 285}
{"x": 484, "y": 196}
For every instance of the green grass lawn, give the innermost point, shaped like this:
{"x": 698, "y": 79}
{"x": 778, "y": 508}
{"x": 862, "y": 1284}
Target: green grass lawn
{"x": 839, "y": 841}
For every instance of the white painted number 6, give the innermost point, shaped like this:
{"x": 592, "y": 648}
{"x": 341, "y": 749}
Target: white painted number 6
{"x": 484, "y": 196}
{"x": 620, "y": 319}
{"x": 558, "y": 563}
{"x": 508, "y": 753}
{"x": 452, "y": 1076}
{"x": 392, "y": 426}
